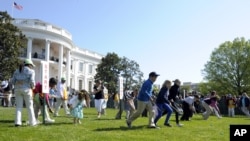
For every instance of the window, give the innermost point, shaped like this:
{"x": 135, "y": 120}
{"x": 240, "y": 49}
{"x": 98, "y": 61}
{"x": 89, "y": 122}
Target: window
{"x": 80, "y": 85}
{"x": 90, "y": 69}
{"x": 90, "y": 86}
{"x": 71, "y": 64}
{"x": 80, "y": 67}
{"x": 71, "y": 82}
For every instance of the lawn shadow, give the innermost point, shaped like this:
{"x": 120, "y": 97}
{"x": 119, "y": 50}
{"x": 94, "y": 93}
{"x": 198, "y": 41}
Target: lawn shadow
{"x": 122, "y": 128}
{"x": 7, "y": 121}
{"x": 104, "y": 119}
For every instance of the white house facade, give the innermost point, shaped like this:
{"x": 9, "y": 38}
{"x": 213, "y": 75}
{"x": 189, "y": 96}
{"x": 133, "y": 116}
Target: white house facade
{"x": 54, "y": 45}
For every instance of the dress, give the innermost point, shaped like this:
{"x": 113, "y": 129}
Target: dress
{"x": 77, "y": 107}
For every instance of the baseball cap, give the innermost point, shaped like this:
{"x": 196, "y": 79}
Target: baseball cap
{"x": 4, "y": 84}
{"x": 29, "y": 62}
{"x": 152, "y": 74}
{"x": 63, "y": 79}
{"x": 176, "y": 80}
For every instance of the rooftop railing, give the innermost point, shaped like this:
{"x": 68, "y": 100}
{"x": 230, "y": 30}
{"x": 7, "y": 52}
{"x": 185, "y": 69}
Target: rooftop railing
{"x": 38, "y": 24}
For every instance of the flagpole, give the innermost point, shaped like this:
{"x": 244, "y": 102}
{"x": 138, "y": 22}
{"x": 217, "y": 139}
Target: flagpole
{"x": 12, "y": 9}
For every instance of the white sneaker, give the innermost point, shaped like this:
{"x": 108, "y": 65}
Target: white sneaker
{"x": 179, "y": 125}
{"x": 38, "y": 122}
{"x": 79, "y": 122}
{"x": 49, "y": 121}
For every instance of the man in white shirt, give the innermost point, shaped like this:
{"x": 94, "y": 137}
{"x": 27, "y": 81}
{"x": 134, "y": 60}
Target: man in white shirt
{"x": 188, "y": 106}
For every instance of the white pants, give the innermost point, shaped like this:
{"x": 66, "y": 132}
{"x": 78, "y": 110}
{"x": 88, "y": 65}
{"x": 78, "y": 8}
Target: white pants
{"x": 58, "y": 104}
{"x": 98, "y": 105}
{"x": 245, "y": 111}
{"x": 25, "y": 95}
{"x": 208, "y": 111}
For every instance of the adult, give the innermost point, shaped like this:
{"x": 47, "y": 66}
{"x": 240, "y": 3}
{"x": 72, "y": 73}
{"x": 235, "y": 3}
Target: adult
{"x": 163, "y": 103}
{"x": 231, "y": 104}
{"x": 208, "y": 109}
{"x": 6, "y": 89}
{"x": 99, "y": 97}
{"x": 173, "y": 97}
{"x": 244, "y": 104}
{"x": 144, "y": 101}
{"x": 61, "y": 98}
{"x": 188, "y": 106}
{"x": 24, "y": 82}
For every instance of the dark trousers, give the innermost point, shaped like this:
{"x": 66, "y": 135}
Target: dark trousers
{"x": 186, "y": 111}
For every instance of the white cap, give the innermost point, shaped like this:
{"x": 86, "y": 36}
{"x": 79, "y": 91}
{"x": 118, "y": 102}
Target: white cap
{"x": 4, "y": 84}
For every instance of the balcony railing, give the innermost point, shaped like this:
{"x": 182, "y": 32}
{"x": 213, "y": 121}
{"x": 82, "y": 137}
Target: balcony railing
{"x": 34, "y": 23}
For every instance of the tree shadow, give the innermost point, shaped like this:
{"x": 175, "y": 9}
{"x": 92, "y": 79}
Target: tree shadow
{"x": 121, "y": 128}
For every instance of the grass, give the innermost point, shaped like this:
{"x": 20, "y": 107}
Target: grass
{"x": 109, "y": 129}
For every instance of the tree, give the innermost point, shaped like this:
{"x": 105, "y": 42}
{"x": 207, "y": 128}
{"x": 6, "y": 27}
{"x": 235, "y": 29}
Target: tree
{"x": 229, "y": 66}
{"x": 109, "y": 70}
{"x": 131, "y": 73}
{"x": 112, "y": 67}
{"x": 11, "y": 44}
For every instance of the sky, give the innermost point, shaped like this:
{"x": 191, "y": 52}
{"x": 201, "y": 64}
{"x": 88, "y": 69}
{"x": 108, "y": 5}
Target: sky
{"x": 172, "y": 37}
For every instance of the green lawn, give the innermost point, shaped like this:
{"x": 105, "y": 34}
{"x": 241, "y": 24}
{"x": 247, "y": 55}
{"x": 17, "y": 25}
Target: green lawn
{"x": 109, "y": 129}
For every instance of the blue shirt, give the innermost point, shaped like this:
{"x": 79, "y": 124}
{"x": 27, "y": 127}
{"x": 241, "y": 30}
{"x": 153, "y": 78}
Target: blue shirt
{"x": 146, "y": 91}
{"x": 25, "y": 79}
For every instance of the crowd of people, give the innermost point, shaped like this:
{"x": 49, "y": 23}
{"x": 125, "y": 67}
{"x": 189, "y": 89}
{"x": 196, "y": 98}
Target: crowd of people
{"x": 166, "y": 102}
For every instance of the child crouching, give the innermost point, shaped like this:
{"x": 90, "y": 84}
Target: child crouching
{"x": 76, "y": 104}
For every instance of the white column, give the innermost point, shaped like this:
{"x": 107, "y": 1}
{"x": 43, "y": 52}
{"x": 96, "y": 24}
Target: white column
{"x": 60, "y": 62}
{"x": 86, "y": 76}
{"x": 47, "y": 50}
{"x": 76, "y": 65}
{"x": 68, "y": 63}
{"x": 29, "y": 48}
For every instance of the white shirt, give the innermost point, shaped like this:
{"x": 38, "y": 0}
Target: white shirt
{"x": 74, "y": 101}
{"x": 189, "y": 100}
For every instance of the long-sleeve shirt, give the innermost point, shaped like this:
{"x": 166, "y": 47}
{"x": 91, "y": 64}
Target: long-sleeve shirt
{"x": 146, "y": 91}
{"x": 25, "y": 79}
{"x": 61, "y": 91}
{"x": 163, "y": 96}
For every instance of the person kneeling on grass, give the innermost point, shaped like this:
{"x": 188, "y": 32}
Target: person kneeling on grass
{"x": 76, "y": 106}
{"x": 188, "y": 106}
{"x": 38, "y": 104}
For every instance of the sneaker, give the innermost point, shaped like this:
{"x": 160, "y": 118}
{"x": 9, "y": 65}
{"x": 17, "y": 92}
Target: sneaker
{"x": 179, "y": 124}
{"x": 79, "y": 122}
{"x": 167, "y": 124}
{"x": 219, "y": 117}
{"x": 56, "y": 115}
{"x": 155, "y": 127}
{"x": 49, "y": 121}
{"x": 128, "y": 123}
{"x": 38, "y": 121}
{"x": 98, "y": 116}
{"x": 17, "y": 125}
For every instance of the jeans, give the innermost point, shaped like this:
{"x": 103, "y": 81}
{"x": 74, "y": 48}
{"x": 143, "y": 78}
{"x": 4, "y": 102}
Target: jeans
{"x": 160, "y": 108}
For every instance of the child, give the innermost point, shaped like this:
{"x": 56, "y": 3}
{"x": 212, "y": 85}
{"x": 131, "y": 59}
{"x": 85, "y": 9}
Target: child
{"x": 52, "y": 91}
{"x": 76, "y": 106}
{"x": 39, "y": 101}
{"x": 231, "y": 103}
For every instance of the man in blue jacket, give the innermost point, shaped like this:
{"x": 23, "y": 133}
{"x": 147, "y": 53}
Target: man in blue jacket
{"x": 144, "y": 100}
